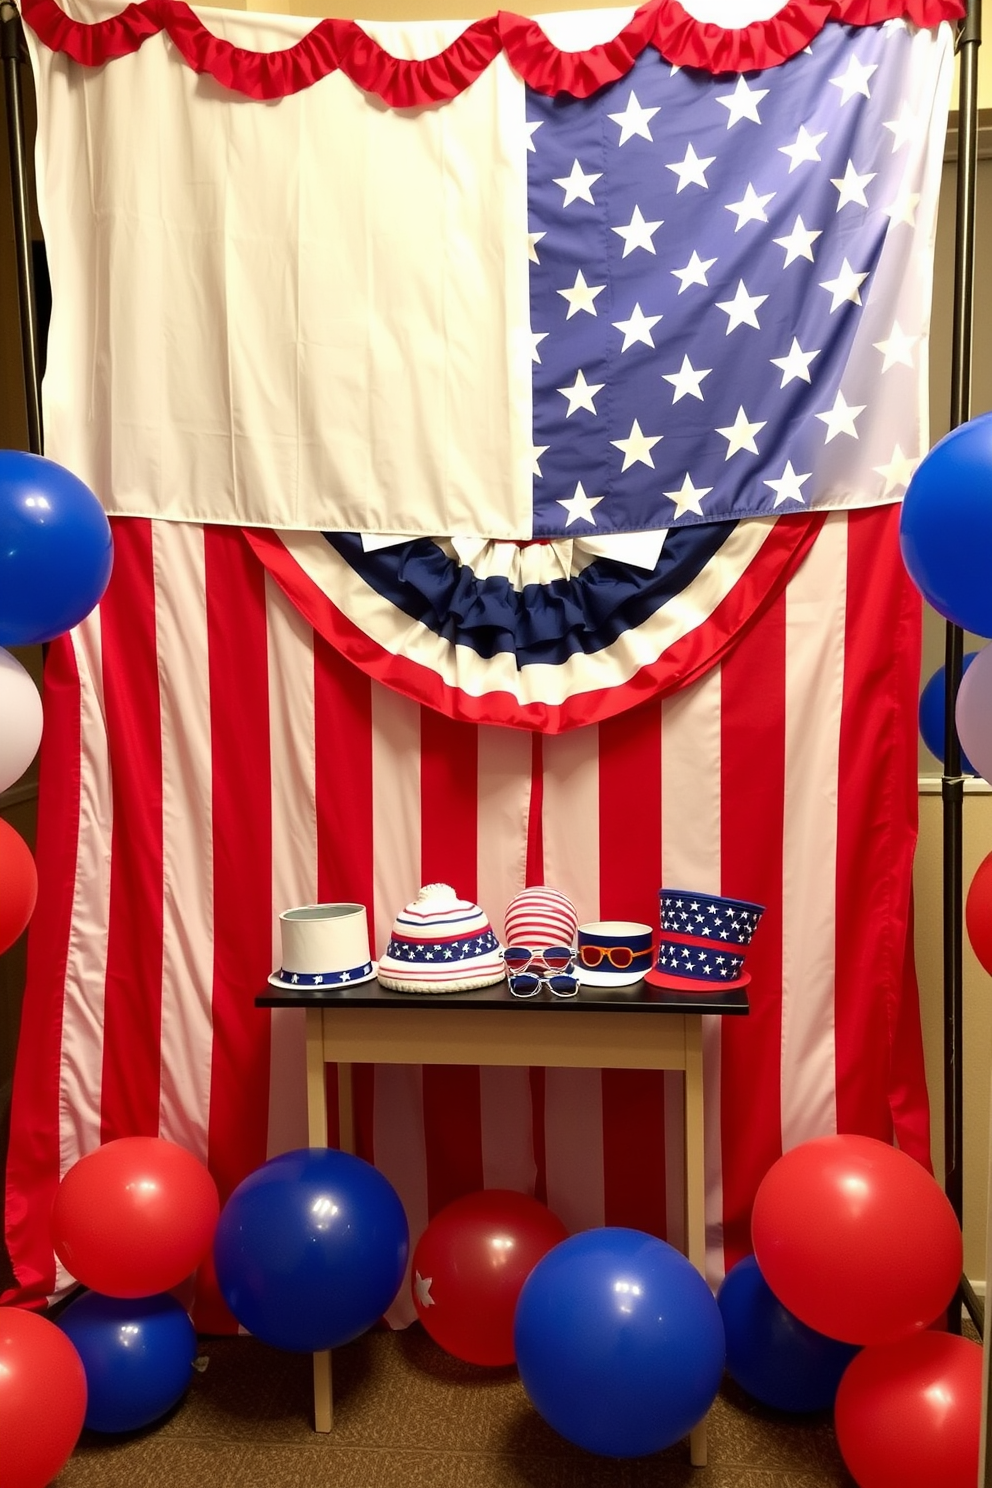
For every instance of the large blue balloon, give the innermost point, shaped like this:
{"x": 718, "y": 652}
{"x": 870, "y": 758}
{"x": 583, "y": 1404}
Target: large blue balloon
{"x": 945, "y": 528}
{"x": 311, "y": 1249}
{"x": 56, "y": 550}
{"x": 770, "y": 1353}
{"x": 137, "y": 1353}
{"x": 932, "y": 714}
{"x": 619, "y": 1342}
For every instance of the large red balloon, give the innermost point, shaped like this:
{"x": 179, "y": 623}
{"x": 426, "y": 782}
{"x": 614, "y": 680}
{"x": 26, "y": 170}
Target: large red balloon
{"x": 469, "y": 1266}
{"x": 856, "y": 1239}
{"x": 134, "y": 1217}
{"x": 978, "y": 913}
{"x": 908, "y": 1414}
{"x": 18, "y": 884}
{"x": 42, "y": 1399}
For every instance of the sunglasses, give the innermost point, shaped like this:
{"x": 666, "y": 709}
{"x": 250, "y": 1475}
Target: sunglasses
{"x": 619, "y": 956}
{"x": 556, "y": 971}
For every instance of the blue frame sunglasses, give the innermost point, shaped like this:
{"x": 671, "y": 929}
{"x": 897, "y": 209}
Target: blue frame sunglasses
{"x": 556, "y": 971}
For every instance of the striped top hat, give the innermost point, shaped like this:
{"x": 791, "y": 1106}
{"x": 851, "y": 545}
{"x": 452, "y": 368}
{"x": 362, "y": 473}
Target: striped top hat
{"x": 440, "y": 943}
{"x": 702, "y": 940}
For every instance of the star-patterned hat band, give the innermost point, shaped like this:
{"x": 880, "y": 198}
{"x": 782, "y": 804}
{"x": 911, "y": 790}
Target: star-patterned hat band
{"x": 323, "y": 945}
{"x": 700, "y": 941}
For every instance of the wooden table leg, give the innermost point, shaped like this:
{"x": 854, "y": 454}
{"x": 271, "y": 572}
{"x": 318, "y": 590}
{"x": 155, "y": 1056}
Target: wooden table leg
{"x": 695, "y": 1184}
{"x": 323, "y": 1395}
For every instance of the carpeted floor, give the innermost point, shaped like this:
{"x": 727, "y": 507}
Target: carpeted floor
{"x": 409, "y": 1416}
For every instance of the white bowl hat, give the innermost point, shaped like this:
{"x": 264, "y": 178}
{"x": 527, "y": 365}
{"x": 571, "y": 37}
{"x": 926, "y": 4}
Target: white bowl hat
{"x": 323, "y": 945}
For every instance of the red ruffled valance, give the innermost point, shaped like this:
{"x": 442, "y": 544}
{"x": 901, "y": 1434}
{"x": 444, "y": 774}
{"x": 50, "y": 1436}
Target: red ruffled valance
{"x": 340, "y": 44}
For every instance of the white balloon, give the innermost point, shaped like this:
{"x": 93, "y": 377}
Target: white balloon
{"x": 20, "y": 719}
{"x": 973, "y": 713}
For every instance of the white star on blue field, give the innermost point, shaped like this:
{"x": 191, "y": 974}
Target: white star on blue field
{"x": 701, "y": 251}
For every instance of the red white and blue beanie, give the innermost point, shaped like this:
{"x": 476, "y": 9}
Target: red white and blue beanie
{"x": 540, "y": 917}
{"x": 440, "y": 943}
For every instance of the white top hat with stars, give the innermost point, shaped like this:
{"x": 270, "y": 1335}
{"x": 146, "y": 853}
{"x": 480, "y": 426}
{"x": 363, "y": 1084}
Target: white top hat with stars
{"x": 323, "y": 946}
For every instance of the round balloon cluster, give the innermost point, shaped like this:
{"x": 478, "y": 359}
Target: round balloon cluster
{"x": 130, "y": 1221}
{"x": 617, "y": 1338}
{"x": 857, "y": 1255}
{"x": 946, "y": 538}
{"x": 55, "y": 560}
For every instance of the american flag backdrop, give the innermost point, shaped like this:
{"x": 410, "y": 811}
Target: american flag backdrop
{"x": 677, "y": 329}
{"x": 208, "y": 759}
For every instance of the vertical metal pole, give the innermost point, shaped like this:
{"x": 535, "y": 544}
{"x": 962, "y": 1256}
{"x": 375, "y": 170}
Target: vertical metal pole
{"x": 952, "y": 782}
{"x": 11, "y": 38}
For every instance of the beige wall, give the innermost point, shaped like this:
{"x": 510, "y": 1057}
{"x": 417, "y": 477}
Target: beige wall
{"x": 978, "y": 808}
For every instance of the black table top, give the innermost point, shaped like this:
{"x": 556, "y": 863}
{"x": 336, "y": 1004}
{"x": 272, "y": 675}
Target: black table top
{"x": 639, "y": 998}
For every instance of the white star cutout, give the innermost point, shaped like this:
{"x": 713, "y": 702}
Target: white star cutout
{"x": 902, "y": 128}
{"x": 686, "y": 380}
{"x": 634, "y": 120}
{"x": 576, "y": 185}
{"x": 532, "y": 241}
{"x": 742, "y": 103}
{"x": 539, "y": 450}
{"x": 537, "y": 337}
{"x": 581, "y": 296}
{"x": 687, "y": 498}
{"x": 691, "y": 170}
{"x": 847, "y": 286}
{"x": 795, "y": 365}
{"x": 740, "y": 435}
{"x": 751, "y": 208}
{"x": 741, "y": 309}
{"x": 803, "y": 148}
{"x": 898, "y": 472}
{"x": 798, "y": 243}
{"x": 898, "y": 349}
{"x": 840, "y": 419}
{"x": 789, "y": 485}
{"x": 637, "y": 233}
{"x": 422, "y": 1286}
{"x": 636, "y": 447}
{"x": 851, "y": 186}
{"x": 581, "y": 393}
{"x": 580, "y": 506}
{"x": 532, "y": 126}
{"x": 694, "y": 272}
{"x": 854, "y": 80}
{"x": 903, "y": 209}
{"x": 637, "y": 328}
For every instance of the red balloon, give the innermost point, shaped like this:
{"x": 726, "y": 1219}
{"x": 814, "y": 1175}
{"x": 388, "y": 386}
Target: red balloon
{"x": 908, "y": 1414}
{"x": 18, "y": 885}
{"x": 978, "y": 913}
{"x": 134, "y": 1217}
{"x": 856, "y": 1239}
{"x": 42, "y": 1399}
{"x": 469, "y": 1266}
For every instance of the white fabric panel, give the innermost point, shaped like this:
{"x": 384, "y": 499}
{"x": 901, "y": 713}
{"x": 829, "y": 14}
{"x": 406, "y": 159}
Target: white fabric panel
{"x": 690, "y": 849}
{"x": 294, "y": 846}
{"x": 187, "y": 840}
{"x": 814, "y": 693}
{"x": 245, "y": 299}
{"x": 81, "y": 1055}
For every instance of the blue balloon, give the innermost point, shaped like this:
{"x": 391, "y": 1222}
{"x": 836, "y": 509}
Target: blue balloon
{"x": 311, "y": 1249}
{"x": 932, "y": 714}
{"x": 945, "y": 528}
{"x": 56, "y": 550}
{"x": 137, "y": 1353}
{"x": 770, "y": 1353}
{"x": 619, "y": 1342}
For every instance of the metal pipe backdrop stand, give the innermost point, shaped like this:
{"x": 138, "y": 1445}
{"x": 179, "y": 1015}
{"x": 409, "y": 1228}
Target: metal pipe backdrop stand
{"x": 952, "y": 783}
